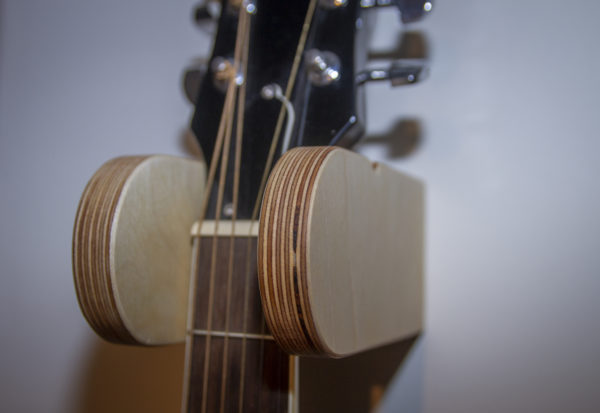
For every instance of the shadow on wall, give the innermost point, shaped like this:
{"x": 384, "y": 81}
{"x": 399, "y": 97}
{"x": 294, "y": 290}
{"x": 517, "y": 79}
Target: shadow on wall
{"x": 403, "y": 139}
{"x": 405, "y": 136}
{"x": 121, "y": 379}
{"x": 351, "y": 385}
{"x": 130, "y": 379}
{"x": 409, "y": 45}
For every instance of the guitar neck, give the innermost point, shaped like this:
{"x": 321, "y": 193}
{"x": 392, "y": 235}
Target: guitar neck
{"x": 234, "y": 364}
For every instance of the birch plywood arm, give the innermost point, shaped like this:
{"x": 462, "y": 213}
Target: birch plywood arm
{"x": 131, "y": 247}
{"x": 340, "y": 253}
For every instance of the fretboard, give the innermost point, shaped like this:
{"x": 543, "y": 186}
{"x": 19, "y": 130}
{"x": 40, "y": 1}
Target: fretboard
{"x": 236, "y": 366}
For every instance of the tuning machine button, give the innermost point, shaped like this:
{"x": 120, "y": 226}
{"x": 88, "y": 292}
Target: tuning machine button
{"x": 399, "y": 74}
{"x": 410, "y": 10}
{"x": 207, "y": 11}
{"x": 192, "y": 78}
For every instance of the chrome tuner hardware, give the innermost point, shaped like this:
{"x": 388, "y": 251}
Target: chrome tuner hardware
{"x": 250, "y": 6}
{"x": 223, "y": 71}
{"x": 410, "y": 10}
{"x": 323, "y": 67}
{"x": 399, "y": 74}
{"x": 273, "y": 91}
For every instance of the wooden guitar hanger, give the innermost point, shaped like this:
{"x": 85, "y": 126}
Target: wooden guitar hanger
{"x": 326, "y": 291}
{"x": 131, "y": 249}
{"x": 281, "y": 245}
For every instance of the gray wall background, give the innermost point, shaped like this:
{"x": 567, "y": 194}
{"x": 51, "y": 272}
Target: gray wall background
{"x": 508, "y": 148}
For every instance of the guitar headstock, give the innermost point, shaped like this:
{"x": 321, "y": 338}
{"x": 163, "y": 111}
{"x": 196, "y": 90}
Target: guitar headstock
{"x": 315, "y": 54}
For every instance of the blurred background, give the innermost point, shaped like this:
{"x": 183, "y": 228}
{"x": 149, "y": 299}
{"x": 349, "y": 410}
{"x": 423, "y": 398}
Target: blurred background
{"x": 504, "y": 133}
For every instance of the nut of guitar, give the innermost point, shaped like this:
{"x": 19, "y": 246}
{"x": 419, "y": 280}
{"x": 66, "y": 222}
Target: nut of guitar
{"x": 340, "y": 253}
{"x": 131, "y": 247}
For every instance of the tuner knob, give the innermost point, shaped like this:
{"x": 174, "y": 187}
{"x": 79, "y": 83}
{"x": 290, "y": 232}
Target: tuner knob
{"x": 399, "y": 74}
{"x": 410, "y": 10}
{"x": 207, "y": 11}
{"x": 192, "y": 78}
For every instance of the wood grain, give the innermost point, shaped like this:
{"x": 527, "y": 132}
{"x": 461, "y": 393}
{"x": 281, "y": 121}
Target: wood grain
{"x": 131, "y": 247}
{"x": 340, "y": 253}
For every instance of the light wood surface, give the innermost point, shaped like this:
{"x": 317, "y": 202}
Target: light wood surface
{"x": 131, "y": 247}
{"x": 340, "y": 253}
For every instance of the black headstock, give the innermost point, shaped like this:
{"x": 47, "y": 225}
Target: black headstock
{"x": 327, "y": 96}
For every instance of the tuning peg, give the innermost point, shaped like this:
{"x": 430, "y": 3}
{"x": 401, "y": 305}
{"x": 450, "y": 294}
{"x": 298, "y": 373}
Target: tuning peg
{"x": 207, "y": 11}
{"x": 192, "y": 78}
{"x": 410, "y": 10}
{"x": 399, "y": 74}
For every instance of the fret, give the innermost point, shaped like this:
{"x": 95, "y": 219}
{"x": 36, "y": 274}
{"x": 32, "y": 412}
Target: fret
{"x": 254, "y": 375}
{"x": 232, "y": 334}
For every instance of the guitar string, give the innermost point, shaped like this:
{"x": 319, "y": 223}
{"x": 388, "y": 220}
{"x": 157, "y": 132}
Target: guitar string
{"x": 288, "y": 94}
{"x": 244, "y": 22}
{"x": 245, "y": 324}
{"x": 274, "y": 142}
{"x": 223, "y": 131}
{"x": 226, "y": 117}
{"x": 196, "y": 245}
{"x": 214, "y": 250}
{"x": 220, "y": 193}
